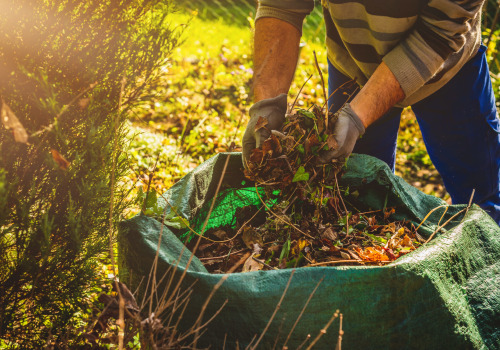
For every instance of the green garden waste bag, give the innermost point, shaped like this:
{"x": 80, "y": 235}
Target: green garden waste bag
{"x": 444, "y": 295}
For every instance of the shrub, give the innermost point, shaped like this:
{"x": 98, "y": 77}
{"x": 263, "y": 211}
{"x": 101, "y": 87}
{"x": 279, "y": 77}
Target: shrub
{"x": 69, "y": 71}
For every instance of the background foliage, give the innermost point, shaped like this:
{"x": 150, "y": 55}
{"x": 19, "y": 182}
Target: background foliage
{"x": 69, "y": 70}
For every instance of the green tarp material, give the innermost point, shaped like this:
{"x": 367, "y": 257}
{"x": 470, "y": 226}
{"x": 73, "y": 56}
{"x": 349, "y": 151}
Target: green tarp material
{"x": 444, "y": 295}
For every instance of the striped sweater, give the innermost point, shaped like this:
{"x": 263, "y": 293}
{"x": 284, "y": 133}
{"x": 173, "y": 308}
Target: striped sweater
{"x": 423, "y": 42}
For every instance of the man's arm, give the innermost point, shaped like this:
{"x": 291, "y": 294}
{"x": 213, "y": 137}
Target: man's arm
{"x": 381, "y": 92}
{"x": 276, "y": 50}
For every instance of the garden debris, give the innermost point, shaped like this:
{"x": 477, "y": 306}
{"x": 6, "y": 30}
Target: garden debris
{"x": 309, "y": 218}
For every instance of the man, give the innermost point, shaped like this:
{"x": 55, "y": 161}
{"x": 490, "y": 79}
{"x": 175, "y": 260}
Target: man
{"x": 419, "y": 53}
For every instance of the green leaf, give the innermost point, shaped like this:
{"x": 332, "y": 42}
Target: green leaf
{"x": 301, "y": 175}
{"x": 375, "y": 238}
{"x": 306, "y": 113}
{"x": 176, "y": 222}
{"x": 284, "y": 251}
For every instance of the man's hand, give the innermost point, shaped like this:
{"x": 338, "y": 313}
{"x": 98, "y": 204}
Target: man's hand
{"x": 348, "y": 128}
{"x": 272, "y": 109}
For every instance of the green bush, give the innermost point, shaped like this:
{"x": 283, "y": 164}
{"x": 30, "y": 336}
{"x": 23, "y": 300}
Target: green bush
{"x": 70, "y": 71}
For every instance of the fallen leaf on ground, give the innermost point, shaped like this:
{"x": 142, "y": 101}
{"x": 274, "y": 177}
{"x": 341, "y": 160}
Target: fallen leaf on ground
{"x": 252, "y": 265}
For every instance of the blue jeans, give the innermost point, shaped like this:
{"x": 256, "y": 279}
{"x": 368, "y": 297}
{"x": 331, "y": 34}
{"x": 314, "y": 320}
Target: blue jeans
{"x": 460, "y": 128}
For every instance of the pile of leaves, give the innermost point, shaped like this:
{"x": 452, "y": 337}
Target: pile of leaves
{"x": 306, "y": 218}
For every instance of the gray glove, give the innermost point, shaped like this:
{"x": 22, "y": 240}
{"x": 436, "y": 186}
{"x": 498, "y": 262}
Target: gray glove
{"x": 273, "y": 109}
{"x": 348, "y": 128}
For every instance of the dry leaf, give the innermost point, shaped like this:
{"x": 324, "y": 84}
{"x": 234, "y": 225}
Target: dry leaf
{"x": 330, "y": 234}
{"x": 373, "y": 254}
{"x": 311, "y": 142}
{"x": 345, "y": 256}
{"x": 257, "y": 156}
{"x": 252, "y": 265}
{"x": 60, "y": 160}
{"x": 331, "y": 142}
{"x": 389, "y": 212}
{"x": 220, "y": 234}
{"x": 10, "y": 121}
{"x": 353, "y": 254}
{"x": 251, "y": 237}
{"x": 407, "y": 242}
{"x": 261, "y": 123}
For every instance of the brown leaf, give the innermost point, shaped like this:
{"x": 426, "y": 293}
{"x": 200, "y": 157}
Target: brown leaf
{"x": 220, "y": 234}
{"x": 252, "y": 265}
{"x": 331, "y": 142}
{"x": 261, "y": 123}
{"x": 60, "y": 160}
{"x": 345, "y": 255}
{"x": 311, "y": 142}
{"x": 388, "y": 212}
{"x": 251, "y": 237}
{"x": 272, "y": 146}
{"x": 256, "y": 156}
{"x": 10, "y": 122}
{"x": 407, "y": 242}
{"x": 354, "y": 255}
{"x": 390, "y": 228}
{"x": 330, "y": 234}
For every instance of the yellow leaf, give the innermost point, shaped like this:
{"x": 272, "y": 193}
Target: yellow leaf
{"x": 10, "y": 122}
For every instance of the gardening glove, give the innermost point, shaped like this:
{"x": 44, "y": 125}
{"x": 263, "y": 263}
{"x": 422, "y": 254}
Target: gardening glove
{"x": 273, "y": 109}
{"x": 348, "y": 128}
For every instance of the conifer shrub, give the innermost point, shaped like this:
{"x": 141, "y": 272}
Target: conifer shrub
{"x": 70, "y": 71}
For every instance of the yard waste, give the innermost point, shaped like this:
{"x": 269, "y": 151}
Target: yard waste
{"x": 443, "y": 295}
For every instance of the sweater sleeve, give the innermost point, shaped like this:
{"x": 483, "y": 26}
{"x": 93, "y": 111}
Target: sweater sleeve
{"x": 439, "y": 32}
{"x": 291, "y": 11}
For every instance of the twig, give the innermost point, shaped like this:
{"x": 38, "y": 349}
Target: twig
{"x": 446, "y": 223}
{"x": 278, "y": 217}
{"x": 334, "y": 262}
{"x": 323, "y": 331}
{"x": 341, "y": 333}
{"x": 370, "y": 212}
{"x": 264, "y": 263}
{"x": 275, "y": 311}
{"x": 429, "y": 214}
{"x": 472, "y": 194}
{"x": 301, "y": 344}
{"x": 297, "y": 97}
{"x": 301, "y": 313}
{"x": 222, "y": 256}
{"x": 334, "y": 92}
{"x": 323, "y": 86}
{"x": 345, "y": 208}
